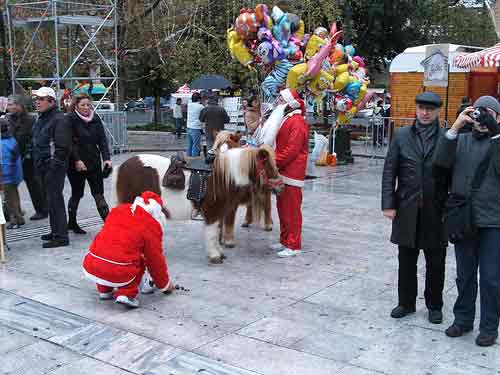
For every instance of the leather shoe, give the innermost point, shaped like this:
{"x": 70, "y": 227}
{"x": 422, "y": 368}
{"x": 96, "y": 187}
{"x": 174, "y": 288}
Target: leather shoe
{"x": 456, "y": 331}
{"x": 435, "y": 316}
{"x": 486, "y": 340}
{"x": 39, "y": 216}
{"x": 55, "y": 243}
{"x": 401, "y": 311}
{"x": 47, "y": 237}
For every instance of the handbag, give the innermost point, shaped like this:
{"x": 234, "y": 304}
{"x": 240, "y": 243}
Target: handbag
{"x": 459, "y": 211}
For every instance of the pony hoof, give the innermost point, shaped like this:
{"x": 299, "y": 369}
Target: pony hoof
{"x": 268, "y": 228}
{"x": 223, "y": 256}
{"x": 216, "y": 260}
{"x": 230, "y": 245}
{"x": 245, "y": 225}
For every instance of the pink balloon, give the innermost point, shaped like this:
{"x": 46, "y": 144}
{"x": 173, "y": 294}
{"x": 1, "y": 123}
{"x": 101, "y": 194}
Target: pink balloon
{"x": 361, "y": 105}
{"x": 315, "y": 64}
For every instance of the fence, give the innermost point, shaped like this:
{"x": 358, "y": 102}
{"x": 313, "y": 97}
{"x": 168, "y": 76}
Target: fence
{"x": 115, "y": 125}
{"x": 378, "y": 135}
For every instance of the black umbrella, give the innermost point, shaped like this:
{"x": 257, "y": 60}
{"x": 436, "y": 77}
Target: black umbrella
{"x": 210, "y": 82}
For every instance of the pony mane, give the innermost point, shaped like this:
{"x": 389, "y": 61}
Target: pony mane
{"x": 235, "y": 166}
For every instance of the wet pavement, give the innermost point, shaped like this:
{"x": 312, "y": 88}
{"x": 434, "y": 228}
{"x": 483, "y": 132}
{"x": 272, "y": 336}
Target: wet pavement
{"x": 324, "y": 312}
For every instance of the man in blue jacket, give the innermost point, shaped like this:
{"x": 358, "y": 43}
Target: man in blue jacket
{"x": 51, "y": 149}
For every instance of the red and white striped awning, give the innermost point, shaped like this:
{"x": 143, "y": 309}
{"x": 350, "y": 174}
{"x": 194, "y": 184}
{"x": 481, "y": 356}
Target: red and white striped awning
{"x": 488, "y": 58}
{"x": 184, "y": 89}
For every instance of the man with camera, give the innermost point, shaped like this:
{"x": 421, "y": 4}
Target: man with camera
{"x": 412, "y": 198}
{"x": 471, "y": 150}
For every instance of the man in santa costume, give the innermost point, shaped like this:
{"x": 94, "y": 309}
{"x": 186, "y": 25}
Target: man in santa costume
{"x": 292, "y": 143}
{"x": 128, "y": 246}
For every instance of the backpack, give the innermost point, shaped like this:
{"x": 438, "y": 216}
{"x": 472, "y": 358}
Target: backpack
{"x": 174, "y": 178}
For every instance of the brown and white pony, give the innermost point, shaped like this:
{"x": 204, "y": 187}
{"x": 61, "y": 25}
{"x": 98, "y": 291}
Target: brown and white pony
{"x": 240, "y": 176}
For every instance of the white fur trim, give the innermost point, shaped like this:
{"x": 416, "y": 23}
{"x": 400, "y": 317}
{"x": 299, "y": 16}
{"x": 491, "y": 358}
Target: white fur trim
{"x": 266, "y": 133}
{"x": 152, "y": 207}
{"x": 109, "y": 261}
{"x": 167, "y": 286}
{"x": 289, "y": 98}
{"x": 103, "y": 282}
{"x": 292, "y": 182}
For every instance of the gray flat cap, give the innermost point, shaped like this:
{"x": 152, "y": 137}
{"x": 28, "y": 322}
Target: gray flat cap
{"x": 429, "y": 98}
{"x": 488, "y": 102}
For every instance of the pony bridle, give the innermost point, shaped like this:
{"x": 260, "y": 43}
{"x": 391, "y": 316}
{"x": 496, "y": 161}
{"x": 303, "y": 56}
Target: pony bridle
{"x": 273, "y": 184}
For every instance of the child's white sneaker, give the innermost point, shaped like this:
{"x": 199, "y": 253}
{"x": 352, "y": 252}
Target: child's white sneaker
{"x": 277, "y": 247}
{"x": 147, "y": 284}
{"x": 287, "y": 253}
{"x": 106, "y": 296}
{"x": 130, "y": 302}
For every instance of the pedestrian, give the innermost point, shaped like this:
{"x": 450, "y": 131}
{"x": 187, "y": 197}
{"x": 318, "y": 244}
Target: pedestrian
{"x": 474, "y": 158}
{"x": 413, "y": 200}
{"x": 465, "y": 103}
{"x": 12, "y": 175}
{"x": 128, "y": 245}
{"x": 292, "y": 143}
{"x": 52, "y": 138}
{"x": 194, "y": 126}
{"x": 252, "y": 114}
{"x": 178, "y": 117}
{"x": 89, "y": 146}
{"x": 21, "y": 127}
{"x": 214, "y": 117}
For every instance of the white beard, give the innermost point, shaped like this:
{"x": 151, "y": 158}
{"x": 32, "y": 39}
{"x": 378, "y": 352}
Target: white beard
{"x": 266, "y": 133}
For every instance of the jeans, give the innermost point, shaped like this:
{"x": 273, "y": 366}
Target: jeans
{"x": 483, "y": 252}
{"x": 435, "y": 260}
{"x": 194, "y": 142}
{"x": 178, "y": 127}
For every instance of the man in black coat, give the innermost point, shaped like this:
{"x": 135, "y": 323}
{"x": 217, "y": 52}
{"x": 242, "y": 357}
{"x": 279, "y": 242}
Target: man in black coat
{"x": 21, "y": 127}
{"x": 214, "y": 117}
{"x": 52, "y": 137}
{"x": 413, "y": 200}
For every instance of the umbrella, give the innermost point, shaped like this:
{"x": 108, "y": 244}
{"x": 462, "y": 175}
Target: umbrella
{"x": 211, "y": 82}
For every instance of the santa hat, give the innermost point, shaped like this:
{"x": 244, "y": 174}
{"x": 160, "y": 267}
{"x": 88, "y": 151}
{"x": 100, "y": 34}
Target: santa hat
{"x": 293, "y": 99}
{"x": 152, "y": 204}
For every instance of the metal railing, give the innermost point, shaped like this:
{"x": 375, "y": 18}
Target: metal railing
{"x": 115, "y": 125}
{"x": 379, "y": 132}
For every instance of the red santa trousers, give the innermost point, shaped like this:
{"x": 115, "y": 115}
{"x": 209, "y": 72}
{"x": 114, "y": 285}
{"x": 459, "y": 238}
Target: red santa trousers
{"x": 289, "y": 203}
{"x": 117, "y": 273}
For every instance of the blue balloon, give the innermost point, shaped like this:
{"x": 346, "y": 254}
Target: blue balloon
{"x": 352, "y": 90}
{"x": 350, "y": 50}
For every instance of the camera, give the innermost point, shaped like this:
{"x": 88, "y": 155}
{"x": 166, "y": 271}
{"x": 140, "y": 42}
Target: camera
{"x": 476, "y": 115}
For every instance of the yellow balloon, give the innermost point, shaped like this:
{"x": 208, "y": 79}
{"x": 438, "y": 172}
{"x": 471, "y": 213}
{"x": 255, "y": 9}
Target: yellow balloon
{"x": 237, "y": 48}
{"x": 354, "y": 65}
{"x": 296, "y": 76}
{"x": 342, "y": 119}
{"x": 363, "y": 91}
{"x": 313, "y": 46}
{"x": 299, "y": 34}
{"x": 341, "y": 81}
{"x": 320, "y": 83}
{"x": 339, "y": 69}
{"x": 352, "y": 111}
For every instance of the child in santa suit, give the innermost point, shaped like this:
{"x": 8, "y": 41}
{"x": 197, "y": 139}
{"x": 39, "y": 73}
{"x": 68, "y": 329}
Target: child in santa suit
{"x": 292, "y": 143}
{"x": 128, "y": 245}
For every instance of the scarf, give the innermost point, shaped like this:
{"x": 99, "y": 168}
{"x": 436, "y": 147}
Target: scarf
{"x": 86, "y": 119}
{"x": 425, "y": 134}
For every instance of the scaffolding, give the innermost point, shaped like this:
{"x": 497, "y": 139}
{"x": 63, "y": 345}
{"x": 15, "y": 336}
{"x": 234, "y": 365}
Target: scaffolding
{"x": 64, "y": 44}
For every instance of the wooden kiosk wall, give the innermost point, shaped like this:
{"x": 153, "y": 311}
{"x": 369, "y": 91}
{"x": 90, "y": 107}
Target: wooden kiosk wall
{"x": 406, "y": 86}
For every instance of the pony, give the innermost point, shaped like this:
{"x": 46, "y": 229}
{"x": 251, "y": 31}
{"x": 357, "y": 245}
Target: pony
{"x": 240, "y": 176}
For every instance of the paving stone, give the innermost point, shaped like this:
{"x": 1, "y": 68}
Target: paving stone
{"x": 119, "y": 348}
{"x": 36, "y": 359}
{"x": 88, "y": 366}
{"x": 266, "y": 358}
{"x": 191, "y": 363}
{"x": 11, "y": 340}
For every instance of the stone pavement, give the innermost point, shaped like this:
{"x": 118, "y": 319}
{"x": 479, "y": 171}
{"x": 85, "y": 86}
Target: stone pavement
{"x": 325, "y": 312}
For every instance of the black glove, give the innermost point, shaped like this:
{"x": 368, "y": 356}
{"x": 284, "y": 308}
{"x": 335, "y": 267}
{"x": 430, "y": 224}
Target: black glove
{"x": 487, "y": 119}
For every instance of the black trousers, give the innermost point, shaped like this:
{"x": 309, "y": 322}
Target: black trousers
{"x": 435, "y": 260}
{"x": 77, "y": 182}
{"x": 35, "y": 187}
{"x": 53, "y": 180}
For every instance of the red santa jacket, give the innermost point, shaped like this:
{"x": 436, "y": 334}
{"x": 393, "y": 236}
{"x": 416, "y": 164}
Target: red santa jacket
{"x": 128, "y": 242}
{"x": 292, "y": 146}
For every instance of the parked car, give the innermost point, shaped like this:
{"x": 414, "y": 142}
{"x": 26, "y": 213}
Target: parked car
{"x": 105, "y": 105}
{"x": 135, "y": 106}
{"x": 149, "y": 101}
